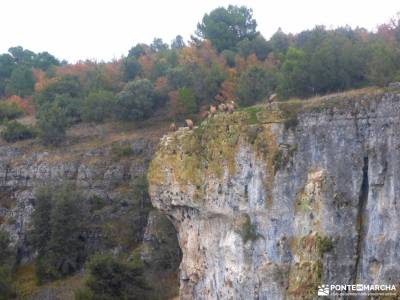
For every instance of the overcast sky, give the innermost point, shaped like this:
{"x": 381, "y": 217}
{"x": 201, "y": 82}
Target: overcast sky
{"x": 106, "y": 29}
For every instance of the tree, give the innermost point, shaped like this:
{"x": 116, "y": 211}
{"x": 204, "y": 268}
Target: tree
{"x": 45, "y": 60}
{"x": 180, "y": 76}
{"x": 112, "y": 278}
{"x": 136, "y": 101}
{"x": 41, "y": 233}
{"x": 159, "y": 69}
{"x": 6, "y": 253}
{"x": 229, "y": 56}
{"x": 16, "y": 131}
{"x": 259, "y": 46}
{"x": 280, "y": 42}
{"x": 98, "y": 106}
{"x": 6, "y": 284}
{"x": 22, "y": 57}
{"x": 70, "y": 106}
{"x": 158, "y": 45}
{"x": 131, "y": 68}
{"x": 254, "y": 85}
{"x": 66, "y": 242}
{"x": 226, "y": 27}
{"x": 59, "y": 224}
{"x": 187, "y": 103}
{"x": 294, "y": 79}
{"x": 7, "y": 65}
{"x": 66, "y": 85}
{"x": 21, "y": 82}
{"x": 338, "y": 63}
{"x": 10, "y": 111}
{"x": 384, "y": 63}
{"x": 51, "y": 124}
{"x": 6, "y": 264}
{"x": 178, "y": 42}
{"x": 139, "y": 50}
{"x": 41, "y": 219}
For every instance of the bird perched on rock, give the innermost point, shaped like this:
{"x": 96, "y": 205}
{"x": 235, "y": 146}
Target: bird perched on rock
{"x": 204, "y": 114}
{"x": 230, "y": 107}
{"x": 189, "y": 123}
{"x": 272, "y": 98}
{"x": 213, "y": 110}
{"x": 172, "y": 127}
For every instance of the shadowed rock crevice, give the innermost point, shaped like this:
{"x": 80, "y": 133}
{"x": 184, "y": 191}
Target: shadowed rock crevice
{"x": 362, "y": 204}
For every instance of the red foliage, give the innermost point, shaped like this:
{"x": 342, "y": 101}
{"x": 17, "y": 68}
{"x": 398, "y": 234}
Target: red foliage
{"x": 147, "y": 63}
{"x": 24, "y": 103}
{"x": 173, "y": 104}
{"x": 227, "y": 91}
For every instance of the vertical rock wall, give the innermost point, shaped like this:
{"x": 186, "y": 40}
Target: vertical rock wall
{"x": 271, "y": 202}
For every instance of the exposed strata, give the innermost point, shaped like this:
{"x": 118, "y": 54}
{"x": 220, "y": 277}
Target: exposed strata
{"x": 271, "y": 201}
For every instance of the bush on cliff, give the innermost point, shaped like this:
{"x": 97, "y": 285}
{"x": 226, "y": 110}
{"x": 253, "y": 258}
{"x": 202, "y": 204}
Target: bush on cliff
{"x": 6, "y": 265}
{"x": 57, "y": 235}
{"x": 52, "y": 124}
{"x": 10, "y": 111}
{"x": 16, "y": 131}
{"x": 98, "y": 106}
{"x": 113, "y": 278}
{"x": 136, "y": 101}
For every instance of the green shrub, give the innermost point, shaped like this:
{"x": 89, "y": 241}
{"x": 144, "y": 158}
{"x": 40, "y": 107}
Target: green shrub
{"x": 16, "y": 131}
{"x": 52, "y": 124}
{"x": 248, "y": 231}
{"x": 9, "y": 111}
{"x": 187, "y": 101}
{"x": 21, "y": 82}
{"x": 98, "y": 106}
{"x": 121, "y": 150}
{"x": 6, "y": 286}
{"x": 6, "y": 264}
{"x": 97, "y": 203}
{"x": 136, "y": 101}
{"x": 6, "y": 253}
{"x": 254, "y": 85}
{"x": 112, "y": 278}
{"x": 58, "y": 226}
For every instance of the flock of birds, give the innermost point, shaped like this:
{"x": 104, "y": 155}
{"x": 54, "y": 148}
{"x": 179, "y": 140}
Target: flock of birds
{"x": 229, "y": 108}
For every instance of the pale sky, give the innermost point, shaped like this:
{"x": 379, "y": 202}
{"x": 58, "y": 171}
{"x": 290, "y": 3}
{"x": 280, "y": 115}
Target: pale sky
{"x": 106, "y": 29}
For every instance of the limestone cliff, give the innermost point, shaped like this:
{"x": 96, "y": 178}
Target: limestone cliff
{"x": 271, "y": 201}
{"x": 108, "y": 164}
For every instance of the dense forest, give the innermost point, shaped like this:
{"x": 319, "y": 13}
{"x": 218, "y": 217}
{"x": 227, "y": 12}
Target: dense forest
{"x": 226, "y": 60}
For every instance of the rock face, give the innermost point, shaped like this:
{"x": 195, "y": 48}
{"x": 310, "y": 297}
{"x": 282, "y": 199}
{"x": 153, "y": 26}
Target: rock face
{"x": 106, "y": 169}
{"x": 100, "y": 174}
{"x": 271, "y": 202}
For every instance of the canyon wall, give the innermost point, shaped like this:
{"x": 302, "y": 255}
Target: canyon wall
{"x": 271, "y": 201}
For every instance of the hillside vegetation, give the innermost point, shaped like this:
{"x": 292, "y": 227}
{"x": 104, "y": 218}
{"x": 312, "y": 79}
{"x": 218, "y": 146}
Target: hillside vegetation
{"x": 227, "y": 59}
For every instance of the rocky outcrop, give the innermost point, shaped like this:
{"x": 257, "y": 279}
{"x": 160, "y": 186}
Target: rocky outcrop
{"x": 270, "y": 202}
{"x": 106, "y": 172}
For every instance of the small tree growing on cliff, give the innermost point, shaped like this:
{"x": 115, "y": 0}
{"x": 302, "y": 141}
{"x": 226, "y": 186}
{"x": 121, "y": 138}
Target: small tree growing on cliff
{"x": 66, "y": 244}
{"x": 52, "y": 124}
{"x": 6, "y": 264}
{"x": 113, "y": 278}
{"x": 58, "y": 223}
